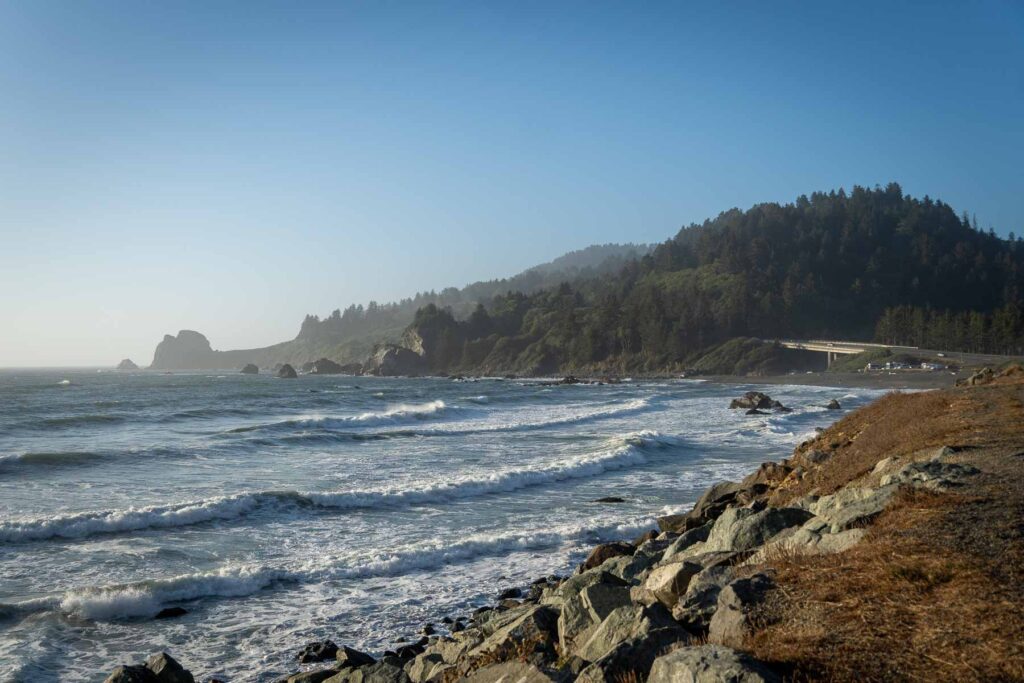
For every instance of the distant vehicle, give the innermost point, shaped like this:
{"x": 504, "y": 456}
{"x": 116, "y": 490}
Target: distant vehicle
{"x": 941, "y": 355}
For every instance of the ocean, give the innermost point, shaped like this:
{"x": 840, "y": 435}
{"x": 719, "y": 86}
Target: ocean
{"x": 278, "y": 512}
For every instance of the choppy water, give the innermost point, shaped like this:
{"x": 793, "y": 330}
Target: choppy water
{"x": 281, "y": 511}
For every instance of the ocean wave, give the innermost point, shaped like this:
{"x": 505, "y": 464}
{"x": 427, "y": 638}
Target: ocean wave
{"x": 146, "y": 598}
{"x": 572, "y": 418}
{"x": 398, "y": 413}
{"x": 70, "y": 421}
{"x": 628, "y": 453}
{"x": 50, "y": 458}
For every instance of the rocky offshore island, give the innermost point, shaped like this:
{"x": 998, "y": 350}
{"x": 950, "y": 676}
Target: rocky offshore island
{"x": 889, "y": 547}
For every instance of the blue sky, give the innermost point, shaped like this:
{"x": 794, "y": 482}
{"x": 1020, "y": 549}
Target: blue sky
{"x": 229, "y": 167}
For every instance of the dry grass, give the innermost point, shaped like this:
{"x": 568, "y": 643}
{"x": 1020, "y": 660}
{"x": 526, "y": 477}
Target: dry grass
{"x": 901, "y": 425}
{"x": 897, "y": 607}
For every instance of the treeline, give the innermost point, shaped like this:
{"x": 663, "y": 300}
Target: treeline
{"x": 828, "y": 265}
{"x": 1001, "y": 331}
{"x": 380, "y": 320}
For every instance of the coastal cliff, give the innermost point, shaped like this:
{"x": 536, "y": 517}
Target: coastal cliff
{"x": 889, "y": 547}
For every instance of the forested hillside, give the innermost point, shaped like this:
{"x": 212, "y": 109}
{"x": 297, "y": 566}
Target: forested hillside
{"x": 873, "y": 263}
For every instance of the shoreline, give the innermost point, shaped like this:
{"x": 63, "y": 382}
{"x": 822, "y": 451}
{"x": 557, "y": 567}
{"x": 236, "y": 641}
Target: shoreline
{"x": 710, "y": 590}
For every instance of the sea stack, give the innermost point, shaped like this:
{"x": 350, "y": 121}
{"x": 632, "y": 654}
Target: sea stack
{"x": 250, "y": 369}
{"x": 127, "y": 364}
{"x": 287, "y": 372}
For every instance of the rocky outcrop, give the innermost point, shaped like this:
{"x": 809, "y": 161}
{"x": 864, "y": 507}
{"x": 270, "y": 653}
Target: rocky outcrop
{"x": 391, "y": 360}
{"x": 189, "y": 350}
{"x": 250, "y": 369}
{"x": 325, "y": 366}
{"x": 127, "y": 364}
{"x": 757, "y": 401}
{"x": 160, "y": 668}
{"x": 834, "y": 404}
{"x": 286, "y": 371}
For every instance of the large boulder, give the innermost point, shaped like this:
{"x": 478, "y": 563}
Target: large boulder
{"x": 851, "y": 506}
{"x": 627, "y": 567}
{"x": 833, "y": 404}
{"x": 319, "y": 651}
{"x": 584, "y": 610}
{"x": 668, "y": 582}
{"x": 391, "y": 360}
{"x": 131, "y": 673}
{"x": 385, "y": 671}
{"x": 685, "y": 541}
{"x": 932, "y": 474}
{"x": 709, "y": 664}
{"x": 250, "y": 369}
{"x": 631, "y": 660}
{"x": 346, "y": 656}
{"x": 127, "y": 364}
{"x": 535, "y": 624}
{"x": 753, "y": 399}
{"x": 731, "y": 622}
{"x": 508, "y": 672}
{"x": 712, "y": 503}
{"x": 606, "y": 551}
{"x": 739, "y": 529}
{"x": 624, "y": 624}
{"x": 325, "y": 366}
{"x": 159, "y": 668}
{"x": 814, "y": 537}
{"x": 695, "y": 609}
{"x": 286, "y": 371}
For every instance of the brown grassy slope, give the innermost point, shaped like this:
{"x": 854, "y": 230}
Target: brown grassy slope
{"x": 936, "y": 591}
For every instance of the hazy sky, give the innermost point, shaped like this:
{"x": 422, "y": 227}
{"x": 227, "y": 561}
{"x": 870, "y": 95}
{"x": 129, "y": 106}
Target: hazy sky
{"x": 229, "y": 167}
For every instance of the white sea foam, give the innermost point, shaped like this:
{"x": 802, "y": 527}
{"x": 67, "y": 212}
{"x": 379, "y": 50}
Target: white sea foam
{"x": 146, "y": 598}
{"x": 629, "y": 452}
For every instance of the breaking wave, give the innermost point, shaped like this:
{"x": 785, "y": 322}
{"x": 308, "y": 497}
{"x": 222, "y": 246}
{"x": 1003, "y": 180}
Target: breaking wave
{"x": 628, "y": 453}
{"x": 146, "y": 598}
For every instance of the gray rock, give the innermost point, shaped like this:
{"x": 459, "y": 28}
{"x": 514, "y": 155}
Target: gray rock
{"x": 932, "y": 474}
{"x": 834, "y": 405}
{"x": 318, "y": 651}
{"x": 286, "y": 371}
{"x": 709, "y": 664}
{"x": 426, "y": 666}
{"x": 131, "y": 674}
{"x": 384, "y": 671}
{"x": 632, "y": 659}
{"x": 731, "y": 621}
{"x": 695, "y": 609}
{"x": 624, "y": 624}
{"x": 745, "y": 529}
{"x": 391, "y": 360}
{"x": 627, "y": 567}
{"x": 685, "y": 541}
{"x": 317, "y": 676}
{"x": 250, "y": 369}
{"x": 852, "y": 506}
{"x": 346, "y": 656}
{"x": 167, "y": 670}
{"x": 537, "y": 624}
{"x": 605, "y": 552}
{"x": 708, "y": 507}
{"x": 508, "y": 672}
{"x": 584, "y": 611}
{"x": 668, "y": 582}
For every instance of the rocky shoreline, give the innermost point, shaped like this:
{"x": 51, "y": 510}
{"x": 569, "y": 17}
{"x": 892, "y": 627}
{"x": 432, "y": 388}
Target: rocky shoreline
{"x": 709, "y": 595}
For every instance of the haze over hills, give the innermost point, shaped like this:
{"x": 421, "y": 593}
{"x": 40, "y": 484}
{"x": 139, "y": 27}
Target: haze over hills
{"x": 348, "y": 336}
{"x": 873, "y": 263}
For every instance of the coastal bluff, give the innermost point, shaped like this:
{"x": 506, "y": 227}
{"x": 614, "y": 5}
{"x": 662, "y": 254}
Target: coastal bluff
{"x": 888, "y": 547}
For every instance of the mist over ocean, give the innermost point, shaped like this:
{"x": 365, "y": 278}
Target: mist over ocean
{"x": 282, "y": 511}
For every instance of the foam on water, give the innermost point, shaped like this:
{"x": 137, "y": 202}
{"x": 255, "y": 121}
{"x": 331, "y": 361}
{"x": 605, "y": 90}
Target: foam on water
{"x": 629, "y": 453}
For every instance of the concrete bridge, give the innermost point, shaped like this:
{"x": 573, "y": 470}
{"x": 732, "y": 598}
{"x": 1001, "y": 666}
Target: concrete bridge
{"x": 838, "y": 348}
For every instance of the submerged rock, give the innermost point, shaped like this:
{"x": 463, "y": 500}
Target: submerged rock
{"x": 834, "y": 405}
{"x": 318, "y": 651}
{"x": 752, "y": 399}
{"x": 171, "y": 613}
